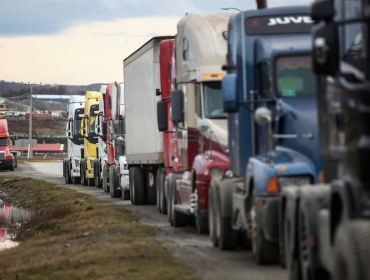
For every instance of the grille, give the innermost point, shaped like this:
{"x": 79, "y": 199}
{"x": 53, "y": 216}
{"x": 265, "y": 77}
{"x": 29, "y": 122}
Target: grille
{"x": 2, "y": 155}
{"x": 330, "y": 169}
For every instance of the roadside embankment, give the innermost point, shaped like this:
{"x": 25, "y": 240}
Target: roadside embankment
{"x": 76, "y": 236}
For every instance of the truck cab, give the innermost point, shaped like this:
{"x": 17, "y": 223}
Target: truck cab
{"x": 8, "y": 157}
{"x": 71, "y": 165}
{"x": 91, "y": 111}
{"x": 270, "y": 97}
{"x": 198, "y": 118}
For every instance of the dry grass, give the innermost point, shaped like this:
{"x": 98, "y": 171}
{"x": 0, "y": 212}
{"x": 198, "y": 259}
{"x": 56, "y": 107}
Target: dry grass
{"x": 76, "y": 236}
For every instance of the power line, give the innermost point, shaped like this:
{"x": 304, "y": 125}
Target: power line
{"x": 5, "y": 75}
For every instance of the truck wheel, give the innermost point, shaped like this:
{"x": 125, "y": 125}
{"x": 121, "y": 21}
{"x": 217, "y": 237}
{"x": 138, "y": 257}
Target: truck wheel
{"x": 162, "y": 199}
{"x": 352, "y": 251}
{"x": 68, "y": 172}
{"x": 83, "y": 173}
{"x": 264, "y": 251}
{"x": 138, "y": 185}
{"x": 98, "y": 182}
{"x": 64, "y": 170}
{"x": 105, "y": 179}
{"x": 179, "y": 219}
{"x": 12, "y": 167}
{"x": 212, "y": 215}
{"x": 307, "y": 268}
{"x": 158, "y": 188}
{"x": 169, "y": 198}
{"x": 114, "y": 182}
{"x": 227, "y": 237}
{"x": 151, "y": 187}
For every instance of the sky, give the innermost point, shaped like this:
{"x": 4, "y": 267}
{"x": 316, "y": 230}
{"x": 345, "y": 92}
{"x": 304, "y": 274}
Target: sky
{"x": 81, "y": 42}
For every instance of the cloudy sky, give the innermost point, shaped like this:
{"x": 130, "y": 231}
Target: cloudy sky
{"x": 80, "y": 42}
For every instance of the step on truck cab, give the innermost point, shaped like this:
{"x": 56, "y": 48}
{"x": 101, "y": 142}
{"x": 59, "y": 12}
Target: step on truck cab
{"x": 101, "y": 151}
{"x": 144, "y": 143}
{"x": 75, "y": 141}
{"x": 197, "y": 128}
{"x": 270, "y": 97}
{"x": 329, "y": 236}
{"x": 91, "y": 110}
{"x": 8, "y": 157}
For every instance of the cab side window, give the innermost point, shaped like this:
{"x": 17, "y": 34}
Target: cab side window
{"x": 264, "y": 81}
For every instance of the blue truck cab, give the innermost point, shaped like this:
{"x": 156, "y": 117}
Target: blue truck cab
{"x": 270, "y": 96}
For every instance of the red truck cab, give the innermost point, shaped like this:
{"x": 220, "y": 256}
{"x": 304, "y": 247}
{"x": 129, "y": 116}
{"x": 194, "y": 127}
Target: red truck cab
{"x": 8, "y": 157}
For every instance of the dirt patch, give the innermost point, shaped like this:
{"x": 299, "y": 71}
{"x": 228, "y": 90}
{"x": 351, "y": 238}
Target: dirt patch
{"x": 76, "y": 236}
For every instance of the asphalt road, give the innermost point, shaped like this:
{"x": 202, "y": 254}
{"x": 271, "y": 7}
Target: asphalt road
{"x": 184, "y": 243}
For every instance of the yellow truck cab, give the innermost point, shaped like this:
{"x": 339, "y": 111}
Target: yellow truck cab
{"x": 90, "y": 137}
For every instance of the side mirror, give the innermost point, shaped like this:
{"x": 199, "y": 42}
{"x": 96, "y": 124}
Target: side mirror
{"x": 177, "y": 105}
{"x": 325, "y": 50}
{"x": 162, "y": 116}
{"x": 230, "y": 93}
{"x": 262, "y": 116}
{"x": 322, "y": 10}
{"x": 202, "y": 126}
{"x": 225, "y": 34}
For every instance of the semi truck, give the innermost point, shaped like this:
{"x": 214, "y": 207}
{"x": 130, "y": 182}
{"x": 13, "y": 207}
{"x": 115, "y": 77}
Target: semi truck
{"x": 198, "y": 127}
{"x": 8, "y": 157}
{"x": 89, "y": 152}
{"x": 101, "y": 151}
{"x": 270, "y": 97}
{"x": 326, "y": 227}
{"x": 71, "y": 165}
{"x": 144, "y": 143}
{"x": 115, "y": 172}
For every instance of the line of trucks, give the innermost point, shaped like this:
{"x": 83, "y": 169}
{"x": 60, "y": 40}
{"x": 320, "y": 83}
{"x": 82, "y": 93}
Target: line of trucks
{"x": 267, "y": 151}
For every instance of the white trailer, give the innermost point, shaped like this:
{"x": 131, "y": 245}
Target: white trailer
{"x": 144, "y": 143}
{"x": 75, "y": 142}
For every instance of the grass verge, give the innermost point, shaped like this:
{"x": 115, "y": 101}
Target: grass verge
{"x": 76, "y": 236}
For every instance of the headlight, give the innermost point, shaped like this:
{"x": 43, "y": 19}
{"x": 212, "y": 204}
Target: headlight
{"x": 216, "y": 173}
{"x": 293, "y": 181}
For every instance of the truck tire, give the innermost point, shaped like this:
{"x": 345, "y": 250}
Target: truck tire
{"x": 179, "y": 219}
{"x": 68, "y": 172}
{"x": 83, "y": 173}
{"x": 169, "y": 198}
{"x": 162, "y": 199}
{"x": 114, "y": 182}
{"x": 158, "y": 189}
{"x": 64, "y": 171}
{"x": 264, "y": 251}
{"x": 352, "y": 251}
{"x": 212, "y": 214}
{"x": 151, "y": 186}
{"x": 227, "y": 237}
{"x": 12, "y": 167}
{"x": 97, "y": 179}
{"x": 137, "y": 182}
{"x": 105, "y": 179}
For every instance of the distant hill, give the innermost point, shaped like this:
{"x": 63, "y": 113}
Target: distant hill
{"x": 13, "y": 89}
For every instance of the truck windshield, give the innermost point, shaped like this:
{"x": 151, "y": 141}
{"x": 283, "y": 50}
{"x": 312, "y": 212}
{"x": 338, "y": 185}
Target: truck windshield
{"x": 294, "y": 76}
{"x": 213, "y": 100}
{"x": 77, "y": 124}
{"x": 92, "y": 121}
{"x": 3, "y": 141}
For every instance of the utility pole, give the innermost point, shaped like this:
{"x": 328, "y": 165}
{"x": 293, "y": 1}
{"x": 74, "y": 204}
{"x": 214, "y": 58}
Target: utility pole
{"x": 30, "y": 151}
